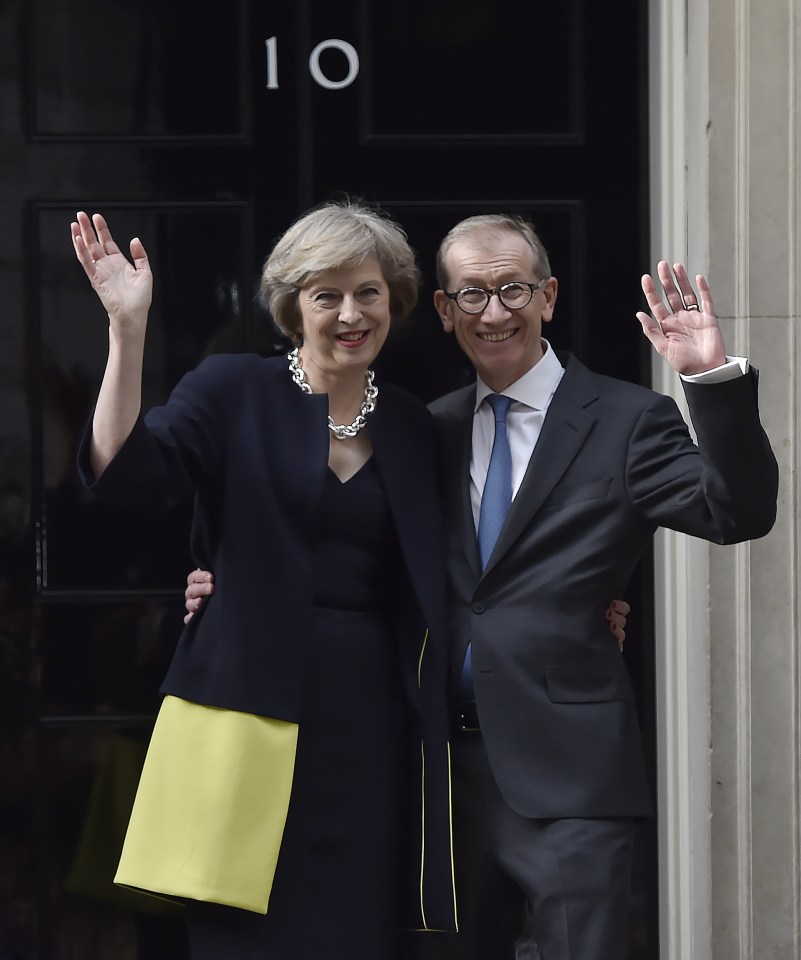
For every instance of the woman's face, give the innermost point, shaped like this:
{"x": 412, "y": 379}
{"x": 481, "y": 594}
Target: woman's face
{"x": 345, "y": 318}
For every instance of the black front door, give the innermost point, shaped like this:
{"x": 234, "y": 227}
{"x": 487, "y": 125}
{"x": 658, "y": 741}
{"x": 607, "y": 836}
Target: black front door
{"x": 205, "y": 131}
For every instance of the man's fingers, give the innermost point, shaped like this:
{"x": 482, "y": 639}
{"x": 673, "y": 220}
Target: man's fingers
{"x": 654, "y": 298}
{"x": 707, "y": 304}
{"x": 197, "y": 591}
{"x": 668, "y": 281}
{"x": 652, "y": 329}
{"x": 689, "y": 297}
{"x": 648, "y": 322}
{"x": 199, "y": 576}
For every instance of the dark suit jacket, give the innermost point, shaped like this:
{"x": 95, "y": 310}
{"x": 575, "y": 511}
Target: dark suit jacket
{"x": 239, "y": 436}
{"x": 614, "y": 461}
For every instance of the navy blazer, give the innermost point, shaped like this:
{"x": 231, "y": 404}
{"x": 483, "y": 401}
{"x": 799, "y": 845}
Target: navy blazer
{"x": 252, "y": 449}
{"x": 613, "y": 462}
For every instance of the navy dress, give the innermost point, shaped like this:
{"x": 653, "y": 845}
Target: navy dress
{"x": 336, "y": 889}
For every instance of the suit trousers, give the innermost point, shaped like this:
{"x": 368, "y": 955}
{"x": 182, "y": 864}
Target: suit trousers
{"x": 530, "y": 889}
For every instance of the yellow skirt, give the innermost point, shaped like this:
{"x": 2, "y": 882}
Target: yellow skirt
{"x": 211, "y": 806}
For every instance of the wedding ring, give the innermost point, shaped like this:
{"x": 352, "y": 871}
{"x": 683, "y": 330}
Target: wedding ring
{"x": 692, "y": 306}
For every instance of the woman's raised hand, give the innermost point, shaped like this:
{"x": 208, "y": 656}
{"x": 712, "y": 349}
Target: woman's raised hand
{"x": 125, "y": 289}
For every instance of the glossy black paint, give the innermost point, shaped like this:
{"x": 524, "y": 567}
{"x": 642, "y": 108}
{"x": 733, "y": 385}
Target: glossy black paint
{"x": 158, "y": 114}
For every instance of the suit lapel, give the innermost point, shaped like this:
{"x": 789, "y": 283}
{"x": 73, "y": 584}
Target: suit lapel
{"x": 456, "y": 442}
{"x": 297, "y": 424}
{"x": 567, "y": 424}
{"x": 410, "y": 483}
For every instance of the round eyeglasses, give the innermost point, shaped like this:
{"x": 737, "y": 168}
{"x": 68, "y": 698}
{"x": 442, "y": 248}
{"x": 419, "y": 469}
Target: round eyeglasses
{"x": 514, "y": 295}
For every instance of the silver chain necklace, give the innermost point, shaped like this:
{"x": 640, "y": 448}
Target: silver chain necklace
{"x": 340, "y": 430}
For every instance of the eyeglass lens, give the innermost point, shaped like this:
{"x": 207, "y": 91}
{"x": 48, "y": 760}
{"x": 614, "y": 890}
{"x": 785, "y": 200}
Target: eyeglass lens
{"x": 512, "y": 295}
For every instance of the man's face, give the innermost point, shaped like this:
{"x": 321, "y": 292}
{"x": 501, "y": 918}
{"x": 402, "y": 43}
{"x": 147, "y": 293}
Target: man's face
{"x": 502, "y": 344}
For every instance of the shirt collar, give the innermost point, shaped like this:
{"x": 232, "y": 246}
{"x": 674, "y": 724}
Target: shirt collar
{"x": 535, "y": 388}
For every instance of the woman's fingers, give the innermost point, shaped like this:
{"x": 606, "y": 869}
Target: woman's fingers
{"x": 104, "y": 238}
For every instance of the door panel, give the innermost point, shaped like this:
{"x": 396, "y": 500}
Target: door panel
{"x": 202, "y": 304}
{"x": 206, "y": 133}
{"x": 144, "y": 72}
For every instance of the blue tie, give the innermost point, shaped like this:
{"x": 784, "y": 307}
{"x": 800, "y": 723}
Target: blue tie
{"x": 497, "y": 496}
{"x": 495, "y": 503}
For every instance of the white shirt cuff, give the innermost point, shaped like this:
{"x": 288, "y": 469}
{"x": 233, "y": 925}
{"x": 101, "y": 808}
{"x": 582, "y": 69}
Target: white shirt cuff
{"x": 733, "y": 367}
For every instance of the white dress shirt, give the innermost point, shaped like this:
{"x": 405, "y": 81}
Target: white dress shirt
{"x": 531, "y": 395}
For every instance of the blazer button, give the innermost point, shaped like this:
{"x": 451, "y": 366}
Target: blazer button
{"x": 479, "y": 608}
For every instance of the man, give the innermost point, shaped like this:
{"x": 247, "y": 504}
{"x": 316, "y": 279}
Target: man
{"x": 547, "y": 792}
{"x": 551, "y": 496}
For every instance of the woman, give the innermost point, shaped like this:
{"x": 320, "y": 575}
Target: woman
{"x": 304, "y": 708}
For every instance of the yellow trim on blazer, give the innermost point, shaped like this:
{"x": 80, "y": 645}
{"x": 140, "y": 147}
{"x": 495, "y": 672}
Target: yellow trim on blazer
{"x": 425, "y": 928}
{"x": 420, "y": 660}
{"x": 450, "y": 828}
{"x": 423, "y": 837}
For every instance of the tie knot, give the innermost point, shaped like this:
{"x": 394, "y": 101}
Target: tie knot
{"x": 500, "y": 406}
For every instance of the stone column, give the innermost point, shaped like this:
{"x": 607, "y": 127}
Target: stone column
{"x": 725, "y": 199}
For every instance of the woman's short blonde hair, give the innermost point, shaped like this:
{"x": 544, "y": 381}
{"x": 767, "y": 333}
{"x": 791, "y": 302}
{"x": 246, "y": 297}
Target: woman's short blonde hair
{"x": 337, "y": 236}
